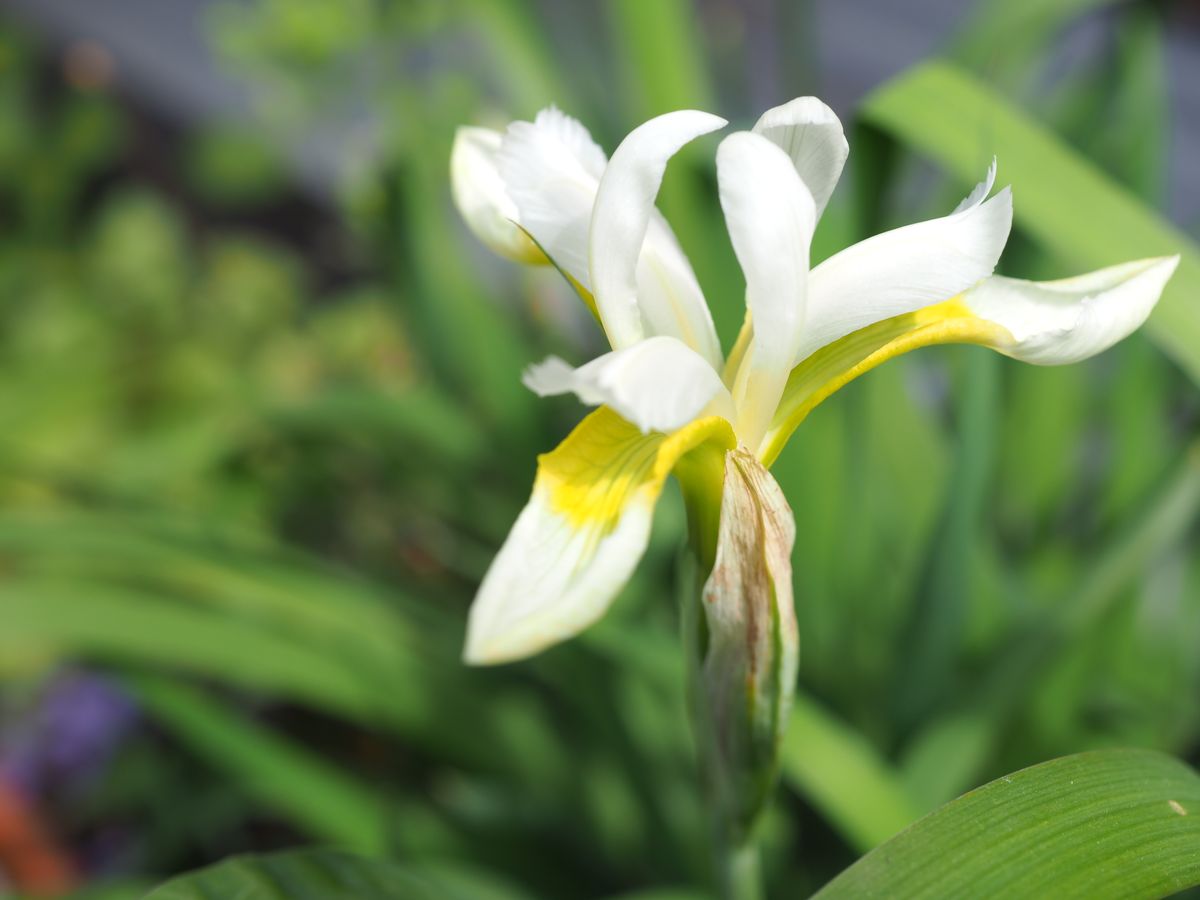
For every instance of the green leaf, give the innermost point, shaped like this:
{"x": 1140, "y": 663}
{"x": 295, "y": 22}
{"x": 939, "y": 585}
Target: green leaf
{"x": 938, "y": 621}
{"x": 662, "y": 49}
{"x": 130, "y": 626}
{"x": 280, "y": 774}
{"x": 1061, "y": 200}
{"x": 515, "y": 39}
{"x": 329, "y": 875}
{"x": 1111, "y": 824}
{"x": 843, "y": 775}
{"x": 1004, "y": 34}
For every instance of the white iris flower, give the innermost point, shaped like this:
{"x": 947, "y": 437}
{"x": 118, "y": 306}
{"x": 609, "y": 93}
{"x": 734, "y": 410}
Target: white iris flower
{"x": 669, "y": 400}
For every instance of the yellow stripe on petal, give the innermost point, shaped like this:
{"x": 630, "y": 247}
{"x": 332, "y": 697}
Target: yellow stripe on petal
{"x": 583, "y": 531}
{"x": 836, "y": 365}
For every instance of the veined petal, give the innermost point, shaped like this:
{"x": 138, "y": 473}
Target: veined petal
{"x": 580, "y": 536}
{"x": 481, "y": 197}
{"x": 903, "y": 270}
{"x": 1056, "y": 322}
{"x": 1046, "y": 323}
{"x": 771, "y": 215}
{"x": 811, "y": 134}
{"x": 622, "y": 215}
{"x": 551, "y": 169}
{"x": 659, "y": 384}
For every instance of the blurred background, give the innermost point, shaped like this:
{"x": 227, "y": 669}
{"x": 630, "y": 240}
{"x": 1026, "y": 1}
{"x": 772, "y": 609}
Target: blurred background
{"x": 262, "y": 430}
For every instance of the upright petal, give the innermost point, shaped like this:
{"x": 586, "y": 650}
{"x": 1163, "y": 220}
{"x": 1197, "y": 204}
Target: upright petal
{"x": 481, "y": 197}
{"x": 771, "y": 215}
{"x": 580, "y": 536}
{"x": 1057, "y": 322}
{"x": 811, "y": 134}
{"x": 551, "y": 169}
{"x": 622, "y": 215}
{"x": 903, "y": 270}
{"x": 659, "y": 384}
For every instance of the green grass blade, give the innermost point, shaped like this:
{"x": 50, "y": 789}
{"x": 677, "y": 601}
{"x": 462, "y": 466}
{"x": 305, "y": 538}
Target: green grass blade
{"x": 1062, "y": 201}
{"x": 842, "y": 775}
{"x": 129, "y": 626}
{"x": 660, "y": 43}
{"x": 1003, "y": 35}
{"x": 281, "y": 775}
{"x": 329, "y": 875}
{"x": 524, "y": 60}
{"x": 935, "y": 630}
{"x": 1112, "y": 824}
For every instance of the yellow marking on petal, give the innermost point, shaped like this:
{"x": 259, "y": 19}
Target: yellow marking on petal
{"x": 836, "y": 365}
{"x": 606, "y": 462}
{"x": 527, "y": 251}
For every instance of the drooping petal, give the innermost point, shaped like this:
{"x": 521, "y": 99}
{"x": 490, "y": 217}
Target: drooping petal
{"x": 622, "y": 215}
{"x": 481, "y": 197}
{"x": 580, "y": 536}
{"x": 811, "y": 134}
{"x": 1057, "y": 322}
{"x": 551, "y": 169}
{"x": 1047, "y": 323}
{"x": 903, "y": 270}
{"x": 771, "y": 215}
{"x": 659, "y": 384}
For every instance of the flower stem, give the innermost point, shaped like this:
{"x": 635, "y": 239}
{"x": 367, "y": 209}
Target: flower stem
{"x": 741, "y": 878}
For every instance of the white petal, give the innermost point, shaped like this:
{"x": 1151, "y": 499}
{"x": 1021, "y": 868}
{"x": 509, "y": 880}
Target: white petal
{"x": 579, "y": 538}
{"x": 811, "y": 134}
{"x": 1055, "y": 322}
{"x": 771, "y": 216}
{"x": 551, "y": 579}
{"x": 979, "y": 192}
{"x": 551, "y": 169}
{"x": 481, "y": 197}
{"x": 670, "y": 299}
{"x": 903, "y": 270}
{"x": 659, "y": 384}
{"x": 622, "y": 214}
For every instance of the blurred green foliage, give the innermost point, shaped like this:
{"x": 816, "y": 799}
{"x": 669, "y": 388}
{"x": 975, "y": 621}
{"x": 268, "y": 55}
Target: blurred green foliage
{"x": 257, "y": 455}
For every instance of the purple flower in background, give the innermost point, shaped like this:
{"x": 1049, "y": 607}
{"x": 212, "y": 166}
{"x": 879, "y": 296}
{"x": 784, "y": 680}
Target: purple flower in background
{"x": 68, "y": 735}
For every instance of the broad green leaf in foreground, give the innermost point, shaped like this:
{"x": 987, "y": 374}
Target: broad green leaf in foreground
{"x": 1061, "y": 200}
{"x": 1109, "y": 824}
{"x": 330, "y": 875}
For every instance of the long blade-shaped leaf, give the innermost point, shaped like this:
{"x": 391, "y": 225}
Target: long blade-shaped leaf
{"x": 330, "y": 805}
{"x": 328, "y": 875}
{"x": 1111, "y": 824}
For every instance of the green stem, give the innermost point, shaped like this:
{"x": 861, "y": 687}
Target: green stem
{"x": 741, "y": 878}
